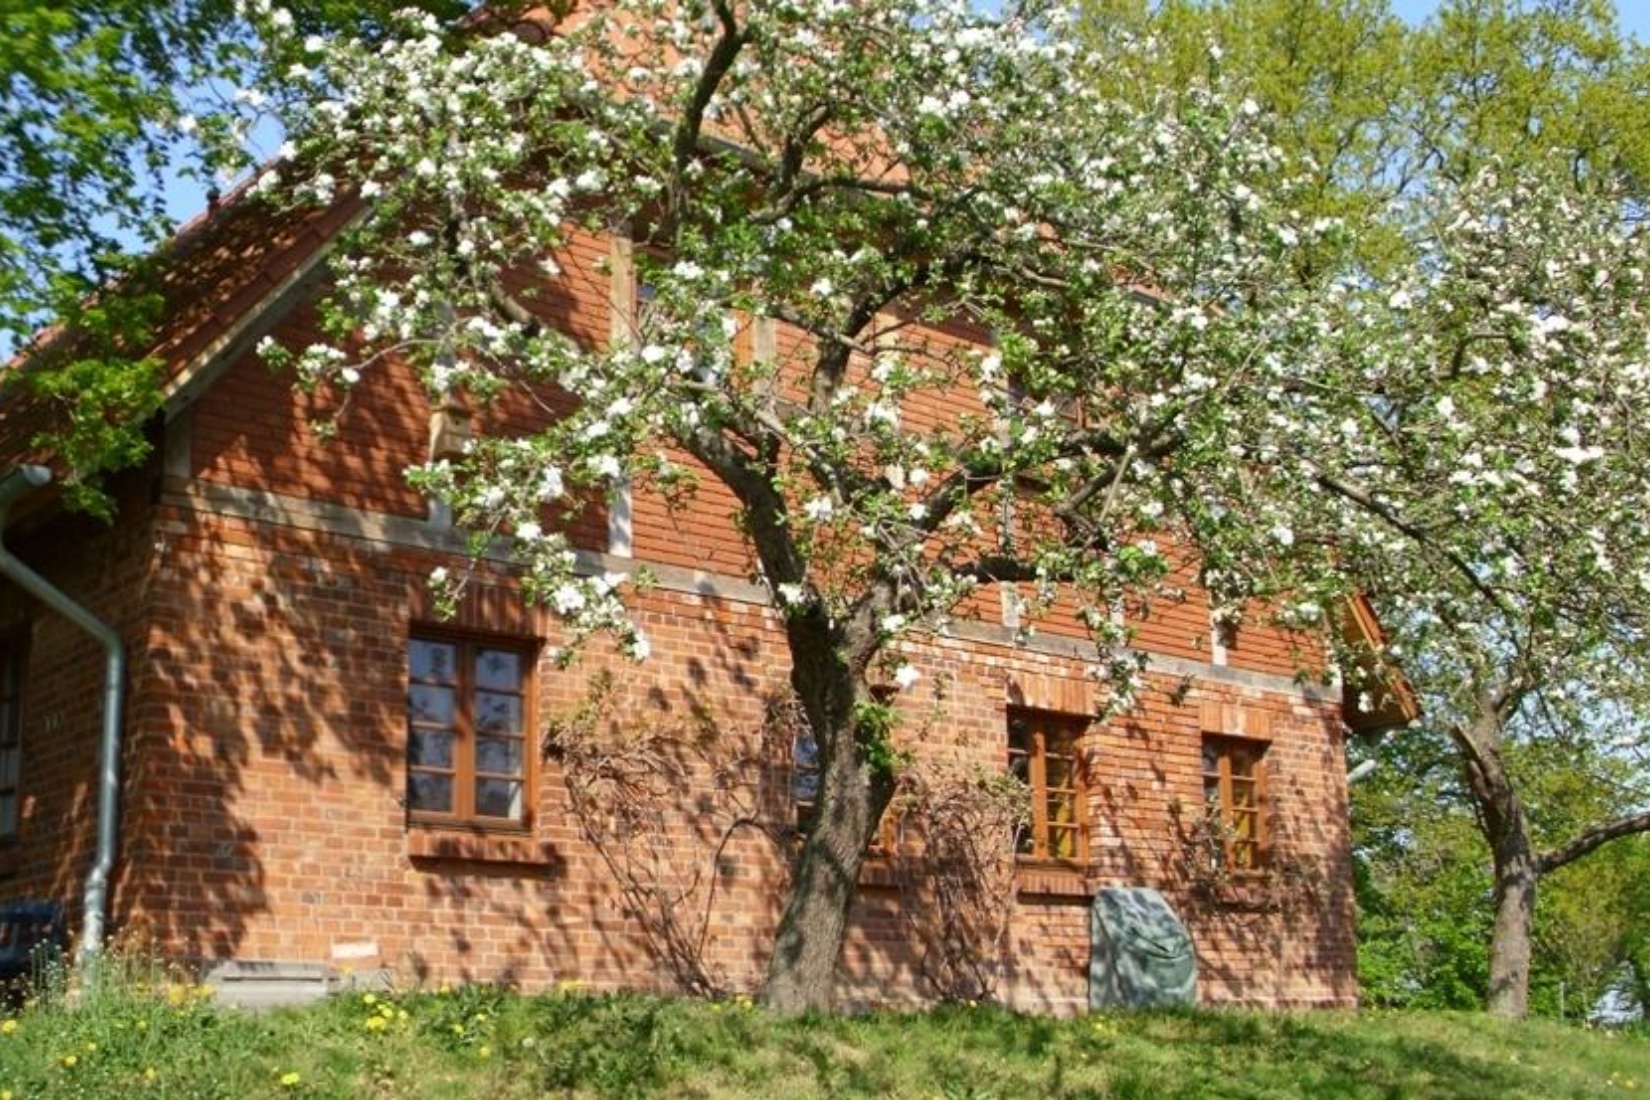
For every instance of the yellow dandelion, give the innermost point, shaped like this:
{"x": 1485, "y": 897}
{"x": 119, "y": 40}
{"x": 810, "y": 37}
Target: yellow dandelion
{"x": 143, "y": 1025}
{"x": 484, "y": 1052}
{"x": 9, "y": 1027}
{"x": 5, "y": 1094}
{"x": 68, "y": 1061}
{"x": 91, "y": 1048}
{"x": 290, "y": 1079}
{"x": 403, "y": 1015}
{"x": 375, "y": 1023}
{"x": 369, "y": 998}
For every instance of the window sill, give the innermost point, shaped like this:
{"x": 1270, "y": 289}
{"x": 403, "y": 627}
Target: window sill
{"x": 1241, "y": 889}
{"x": 428, "y": 841}
{"x": 1051, "y": 878}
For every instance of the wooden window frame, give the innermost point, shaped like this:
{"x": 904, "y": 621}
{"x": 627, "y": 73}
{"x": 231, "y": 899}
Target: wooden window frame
{"x": 464, "y": 771}
{"x": 1037, "y": 844}
{"x": 13, "y": 666}
{"x": 1238, "y": 770}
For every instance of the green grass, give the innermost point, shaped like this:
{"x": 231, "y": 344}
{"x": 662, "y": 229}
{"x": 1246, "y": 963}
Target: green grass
{"x": 161, "y": 1040}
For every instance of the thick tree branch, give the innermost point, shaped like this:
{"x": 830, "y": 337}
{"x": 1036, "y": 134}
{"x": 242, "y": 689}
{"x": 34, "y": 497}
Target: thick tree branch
{"x": 832, "y": 364}
{"x": 764, "y": 506}
{"x": 1589, "y": 839}
{"x": 686, "y": 146}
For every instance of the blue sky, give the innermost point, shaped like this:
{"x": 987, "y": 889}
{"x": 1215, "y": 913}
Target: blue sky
{"x": 1634, "y": 14}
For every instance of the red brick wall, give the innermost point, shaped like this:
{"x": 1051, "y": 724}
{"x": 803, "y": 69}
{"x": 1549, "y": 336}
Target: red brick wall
{"x": 269, "y": 824}
{"x": 106, "y": 570}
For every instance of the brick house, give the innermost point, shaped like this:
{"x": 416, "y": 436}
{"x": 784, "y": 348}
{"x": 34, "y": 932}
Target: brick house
{"x": 320, "y": 774}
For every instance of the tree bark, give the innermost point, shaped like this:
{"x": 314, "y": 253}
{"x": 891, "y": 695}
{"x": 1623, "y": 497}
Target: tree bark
{"x": 1515, "y": 888}
{"x": 802, "y": 972}
{"x": 1516, "y": 870}
{"x": 828, "y": 674}
{"x": 1590, "y": 838}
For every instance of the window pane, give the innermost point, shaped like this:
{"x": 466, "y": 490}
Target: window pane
{"x": 1062, "y": 842}
{"x": 498, "y": 798}
{"x": 1211, "y": 759}
{"x": 436, "y": 661}
{"x": 430, "y": 705}
{"x": 1062, "y": 741}
{"x": 805, "y": 751}
{"x": 1025, "y": 842}
{"x": 1019, "y": 766}
{"x": 1019, "y": 735}
{"x": 804, "y": 786}
{"x": 1062, "y": 809}
{"x": 497, "y": 713}
{"x": 8, "y": 814}
{"x": 1059, "y": 772}
{"x": 430, "y": 748}
{"x": 498, "y": 669}
{"x": 429, "y": 792}
{"x": 498, "y": 755}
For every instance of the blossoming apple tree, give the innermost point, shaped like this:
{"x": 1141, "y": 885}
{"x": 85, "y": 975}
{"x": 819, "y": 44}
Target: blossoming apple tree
{"x": 1155, "y": 373}
{"x": 1501, "y": 450}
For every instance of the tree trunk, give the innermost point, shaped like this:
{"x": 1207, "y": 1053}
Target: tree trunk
{"x": 802, "y": 972}
{"x": 827, "y": 671}
{"x": 1501, "y": 815}
{"x": 1515, "y": 886}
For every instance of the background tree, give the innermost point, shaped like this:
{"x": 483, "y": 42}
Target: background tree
{"x": 1424, "y": 885}
{"x": 1517, "y": 622}
{"x": 104, "y": 106}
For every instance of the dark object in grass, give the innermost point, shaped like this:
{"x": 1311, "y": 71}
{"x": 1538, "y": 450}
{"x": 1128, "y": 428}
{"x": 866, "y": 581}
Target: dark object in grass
{"x": 32, "y": 936}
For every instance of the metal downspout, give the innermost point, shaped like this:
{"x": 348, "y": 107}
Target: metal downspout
{"x": 17, "y": 483}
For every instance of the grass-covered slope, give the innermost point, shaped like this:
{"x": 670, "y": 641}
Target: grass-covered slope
{"x": 166, "y": 1040}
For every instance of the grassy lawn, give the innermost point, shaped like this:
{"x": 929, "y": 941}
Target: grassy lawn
{"x": 171, "y": 1041}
